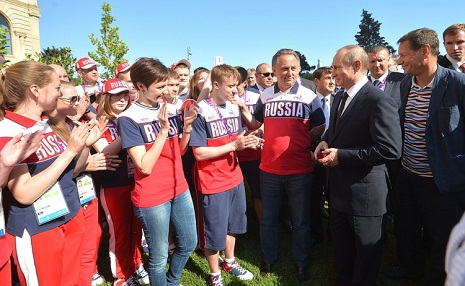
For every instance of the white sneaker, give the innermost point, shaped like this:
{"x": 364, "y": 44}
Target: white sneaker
{"x": 235, "y": 269}
{"x": 141, "y": 276}
{"x": 97, "y": 279}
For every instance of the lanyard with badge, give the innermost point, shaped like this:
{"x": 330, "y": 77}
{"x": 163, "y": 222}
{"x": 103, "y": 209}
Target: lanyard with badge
{"x": 86, "y": 189}
{"x": 52, "y": 203}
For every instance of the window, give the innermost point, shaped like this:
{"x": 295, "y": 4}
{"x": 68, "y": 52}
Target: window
{"x": 5, "y": 42}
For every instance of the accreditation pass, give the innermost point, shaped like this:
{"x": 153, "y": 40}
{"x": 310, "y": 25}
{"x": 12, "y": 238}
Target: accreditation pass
{"x": 50, "y": 205}
{"x": 86, "y": 189}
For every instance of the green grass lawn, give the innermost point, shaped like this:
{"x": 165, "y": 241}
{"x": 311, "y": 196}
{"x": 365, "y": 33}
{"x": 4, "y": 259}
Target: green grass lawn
{"x": 249, "y": 255}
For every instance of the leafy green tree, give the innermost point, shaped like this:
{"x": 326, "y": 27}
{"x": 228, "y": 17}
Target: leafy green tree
{"x": 110, "y": 49}
{"x": 305, "y": 68}
{"x": 3, "y": 46}
{"x": 368, "y": 35}
{"x": 59, "y": 56}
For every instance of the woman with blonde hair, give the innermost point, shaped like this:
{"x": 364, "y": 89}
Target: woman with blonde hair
{"x": 45, "y": 222}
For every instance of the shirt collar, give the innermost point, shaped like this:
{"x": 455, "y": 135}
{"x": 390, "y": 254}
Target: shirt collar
{"x": 356, "y": 87}
{"x": 428, "y": 86}
{"x": 381, "y": 78}
{"x": 456, "y": 64}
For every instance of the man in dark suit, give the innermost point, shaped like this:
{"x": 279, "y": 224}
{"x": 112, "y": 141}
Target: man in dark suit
{"x": 324, "y": 82}
{"x": 364, "y": 133}
{"x": 431, "y": 181}
{"x": 389, "y": 82}
{"x": 454, "y": 42}
{"x": 308, "y": 84}
{"x": 380, "y": 75}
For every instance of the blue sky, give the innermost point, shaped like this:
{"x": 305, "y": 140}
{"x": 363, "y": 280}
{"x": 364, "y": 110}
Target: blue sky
{"x": 243, "y": 32}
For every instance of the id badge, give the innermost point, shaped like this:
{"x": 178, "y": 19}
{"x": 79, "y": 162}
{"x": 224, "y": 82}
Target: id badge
{"x": 50, "y": 205}
{"x": 86, "y": 189}
{"x": 2, "y": 218}
{"x": 131, "y": 166}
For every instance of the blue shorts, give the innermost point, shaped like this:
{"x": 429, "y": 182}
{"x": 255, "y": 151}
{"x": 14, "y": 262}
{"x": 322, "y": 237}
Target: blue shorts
{"x": 223, "y": 213}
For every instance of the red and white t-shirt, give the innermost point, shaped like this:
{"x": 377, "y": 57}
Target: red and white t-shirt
{"x": 288, "y": 118}
{"x": 139, "y": 125}
{"x": 210, "y": 129}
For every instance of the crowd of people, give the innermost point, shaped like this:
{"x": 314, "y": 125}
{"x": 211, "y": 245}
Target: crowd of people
{"x": 160, "y": 158}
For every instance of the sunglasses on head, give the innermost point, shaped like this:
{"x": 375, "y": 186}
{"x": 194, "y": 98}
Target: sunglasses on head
{"x": 71, "y": 100}
{"x": 267, "y": 74}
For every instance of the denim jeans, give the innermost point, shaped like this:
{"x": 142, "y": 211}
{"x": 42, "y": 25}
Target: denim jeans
{"x": 156, "y": 223}
{"x": 297, "y": 188}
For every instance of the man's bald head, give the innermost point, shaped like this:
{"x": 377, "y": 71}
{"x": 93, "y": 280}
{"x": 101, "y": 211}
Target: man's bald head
{"x": 62, "y": 74}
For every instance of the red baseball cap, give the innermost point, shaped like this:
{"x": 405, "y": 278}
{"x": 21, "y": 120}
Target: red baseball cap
{"x": 122, "y": 67}
{"x": 85, "y": 63}
{"x": 114, "y": 86}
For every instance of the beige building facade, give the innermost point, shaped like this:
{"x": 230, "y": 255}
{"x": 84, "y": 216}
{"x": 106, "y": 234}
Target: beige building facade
{"x": 21, "y": 18}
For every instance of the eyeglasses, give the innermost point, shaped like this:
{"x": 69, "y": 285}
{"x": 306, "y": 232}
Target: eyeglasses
{"x": 267, "y": 74}
{"x": 71, "y": 100}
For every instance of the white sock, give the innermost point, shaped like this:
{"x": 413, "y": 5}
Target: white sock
{"x": 216, "y": 273}
{"x": 229, "y": 260}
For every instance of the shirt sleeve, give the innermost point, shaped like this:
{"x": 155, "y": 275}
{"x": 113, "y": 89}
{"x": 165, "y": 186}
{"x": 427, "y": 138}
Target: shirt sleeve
{"x": 199, "y": 133}
{"x": 129, "y": 132}
{"x": 258, "y": 114}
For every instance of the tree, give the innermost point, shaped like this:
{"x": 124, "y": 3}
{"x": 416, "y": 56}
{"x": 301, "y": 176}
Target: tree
{"x": 3, "y": 46}
{"x": 305, "y": 68}
{"x": 368, "y": 35}
{"x": 110, "y": 49}
{"x": 59, "y": 56}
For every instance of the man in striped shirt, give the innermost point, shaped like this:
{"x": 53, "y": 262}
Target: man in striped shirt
{"x": 431, "y": 181}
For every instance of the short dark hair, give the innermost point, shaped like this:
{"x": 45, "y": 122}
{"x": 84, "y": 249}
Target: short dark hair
{"x": 321, "y": 71}
{"x": 376, "y": 49}
{"x": 148, "y": 71}
{"x": 420, "y": 37}
{"x": 453, "y": 29}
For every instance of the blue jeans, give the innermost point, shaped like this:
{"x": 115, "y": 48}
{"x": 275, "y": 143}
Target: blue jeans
{"x": 297, "y": 188}
{"x": 156, "y": 223}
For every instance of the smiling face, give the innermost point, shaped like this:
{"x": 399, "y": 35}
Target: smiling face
{"x": 412, "y": 62}
{"x": 153, "y": 94}
{"x": 287, "y": 71}
{"x": 68, "y": 101}
{"x": 49, "y": 94}
{"x": 89, "y": 76}
{"x": 343, "y": 72}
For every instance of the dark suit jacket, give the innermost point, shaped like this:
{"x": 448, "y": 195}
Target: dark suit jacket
{"x": 444, "y": 62}
{"x": 367, "y": 136}
{"x": 308, "y": 84}
{"x": 393, "y": 86}
{"x": 445, "y": 128}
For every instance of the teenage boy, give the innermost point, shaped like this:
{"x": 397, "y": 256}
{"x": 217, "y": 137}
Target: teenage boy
{"x": 216, "y": 136}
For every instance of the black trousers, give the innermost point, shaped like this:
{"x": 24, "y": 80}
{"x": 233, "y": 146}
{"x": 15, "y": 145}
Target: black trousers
{"x": 419, "y": 204}
{"x": 357, "y": 243}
